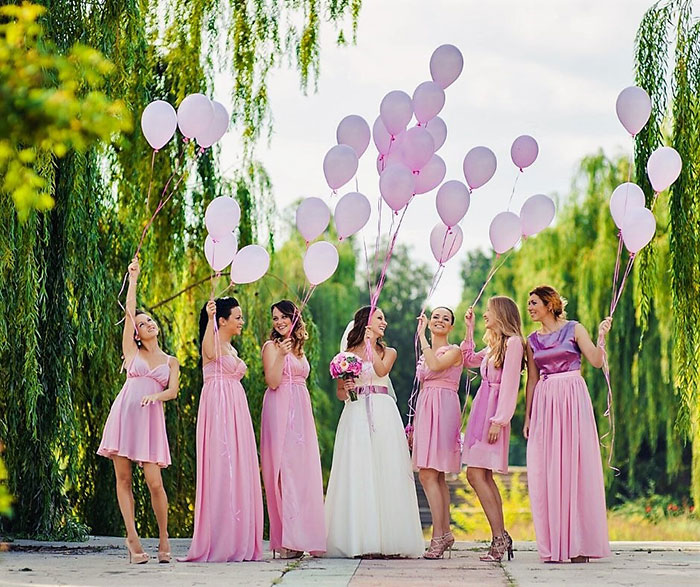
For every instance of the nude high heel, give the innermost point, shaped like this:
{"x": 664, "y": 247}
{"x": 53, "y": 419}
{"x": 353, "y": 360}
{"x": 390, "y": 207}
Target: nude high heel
{"x": 137, "y": 558}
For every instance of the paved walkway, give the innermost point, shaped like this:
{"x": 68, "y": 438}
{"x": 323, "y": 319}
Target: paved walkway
{"x": 102, "y": 561}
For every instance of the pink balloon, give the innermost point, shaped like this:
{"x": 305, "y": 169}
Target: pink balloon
{"x": 505, "y": 231}
{"x": 479, "y": 166}
{"x": 158, "y": 123}
{"x": 452, "y": 202}
{"x": 222, "y": 216}
{"x": 395, "y": 154}
{"x": 438, "y": 129}
{"x": 353, "y": 130}
{"x": 194, "y": 115}
{"x": 217, "y": 128}
{"x": 351, "y": 214}
{"x": 220, "y": 253}
{"x": 320, "y": 262}
{"x": 431, "y": 175}
{"x": 396, "y": 111}
{"x": 445, "y": 242}
{"x": 313, "y": 216}
{"x": 536, "y": 214}
{"x": 340, "y": 165}
{"x": 397, "y": 186}
{"x": 249, "y": 264}
{"x": 663, "y": 168}
{"x": 381, "y": 136}
{"x": 446, "y": 65}
{"x": 638, "y": 229}
{"x": 428, "y": 100}
{"x": 633, "y": 108}
{"x": 418, "y": 148}
{"x": 626, "y": 196}
{"x": 524, "y": 151}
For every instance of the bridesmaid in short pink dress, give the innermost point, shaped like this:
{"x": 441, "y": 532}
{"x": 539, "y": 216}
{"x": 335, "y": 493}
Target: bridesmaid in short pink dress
{"x": 135, "y": 428}
{"x": 291, "y": 464}
{"x": 487, "y": 438}
{"x": 564, "y": 469}
{"x": 228, "y": 514}
{"x": 437, "y": 425}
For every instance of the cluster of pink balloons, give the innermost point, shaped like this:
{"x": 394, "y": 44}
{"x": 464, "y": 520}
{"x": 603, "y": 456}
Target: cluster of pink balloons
{"x": 507, "y": 228}
{"x": 197, "y": 117}
{"x": 221, "y": 246}
{"x": 627, "y": 203}
{"x": 312, "y": 218}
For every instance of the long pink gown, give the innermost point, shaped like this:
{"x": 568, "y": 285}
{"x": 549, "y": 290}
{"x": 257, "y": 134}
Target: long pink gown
{"x": 228, "y": 515}
{"x": 437, "y": 425}
{"x": 291, "y": 465}
{"x": 494, "y": 403}
{"x": 134, "y": 431}
{"x": 564, "y": 468}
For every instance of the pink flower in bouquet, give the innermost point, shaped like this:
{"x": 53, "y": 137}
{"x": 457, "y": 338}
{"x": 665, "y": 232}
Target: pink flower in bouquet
{"x": 345, "y": 365}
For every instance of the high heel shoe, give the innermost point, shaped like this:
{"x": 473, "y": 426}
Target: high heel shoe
{"x": 137, "y": 558}
{"x": 436, "y": 549}
{"x": 496, "y": 550}
{"x": 449, "y": 540}
{"x": 580, "y": 559}
{"x": 509, "y": 544}
{"x": 287, "y": 553}
{"x": 163, "y": 557}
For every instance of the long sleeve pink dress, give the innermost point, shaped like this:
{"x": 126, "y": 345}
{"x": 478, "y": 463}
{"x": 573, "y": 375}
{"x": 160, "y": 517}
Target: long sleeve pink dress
{"x": 494, "y": 403}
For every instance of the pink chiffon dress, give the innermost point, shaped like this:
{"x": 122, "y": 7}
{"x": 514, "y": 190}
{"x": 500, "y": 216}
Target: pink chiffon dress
{"x": 437, "y": 424}
{"x": 494, "y": 403}
{"x": 228, "y": 514}
{"x": 564, "y": 468}
{"x": 291, "y": 465}
{"x": 134, "y": 431}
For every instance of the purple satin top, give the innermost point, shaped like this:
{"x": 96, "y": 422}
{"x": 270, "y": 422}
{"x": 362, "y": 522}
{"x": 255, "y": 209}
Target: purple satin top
{"x": 556, "y": 352}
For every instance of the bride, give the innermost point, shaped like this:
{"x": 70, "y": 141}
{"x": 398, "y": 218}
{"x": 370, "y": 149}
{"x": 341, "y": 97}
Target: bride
{"x": 371, "y": 505}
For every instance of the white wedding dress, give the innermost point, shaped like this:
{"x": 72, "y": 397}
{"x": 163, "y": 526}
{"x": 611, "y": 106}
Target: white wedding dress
{"x": 371, "y": 504}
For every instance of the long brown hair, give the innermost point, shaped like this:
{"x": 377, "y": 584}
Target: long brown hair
{"x": 299, "y": 335}
{"x": 504, "y": 323}
{"x": 550, "y": 297}
{"x": 357, "y": 335}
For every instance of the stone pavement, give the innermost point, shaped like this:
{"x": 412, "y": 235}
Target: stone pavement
{"x": 102, "y": 561}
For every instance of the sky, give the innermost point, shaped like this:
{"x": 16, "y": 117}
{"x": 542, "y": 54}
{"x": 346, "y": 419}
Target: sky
{"x": 548, "y": 68}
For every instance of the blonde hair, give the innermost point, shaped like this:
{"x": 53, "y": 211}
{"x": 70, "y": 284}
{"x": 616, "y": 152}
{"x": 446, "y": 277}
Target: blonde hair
{"x": 504, "y": 323}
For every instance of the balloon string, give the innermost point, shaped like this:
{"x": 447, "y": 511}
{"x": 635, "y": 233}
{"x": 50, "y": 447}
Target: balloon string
{"x": 616, "y": 273}
{"x": 163, "y": 200}
{"x": 609, "y": 414}
{"x": 150, "y": 180}
{"x": 512, "y": 192}
{"x": 628, "y": 269}
{"x": 490, "y": 275}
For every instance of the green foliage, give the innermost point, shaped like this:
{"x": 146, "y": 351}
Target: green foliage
{"x": 49, "y": 104}
{"x": 60, "y": 273}
{"x": 666, "y": 27}
{"x": 5, "y": 497}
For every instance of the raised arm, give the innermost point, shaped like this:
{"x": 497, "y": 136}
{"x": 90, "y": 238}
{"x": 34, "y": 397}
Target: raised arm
{"x": 274, "y": 356}
{"x": 209, "y": 342}
{"x": 435, "y": 363}
{"x": 129, "y": 346}
{"x": 594, "y": 353}
{"x": 510, "y": 382}
{"x": 470, "y": 358}
{"x": 533, "y": 376}
{"x": 383, "y": 363}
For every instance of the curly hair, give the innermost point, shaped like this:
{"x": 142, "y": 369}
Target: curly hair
{"x": 552, "y": 299}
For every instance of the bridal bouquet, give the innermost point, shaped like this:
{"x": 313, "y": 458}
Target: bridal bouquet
{"x": 348, "y": 366}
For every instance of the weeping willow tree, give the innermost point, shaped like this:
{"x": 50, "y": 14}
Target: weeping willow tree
{"x": 61, "y": 270}
{"x": 668, "y": 67}
{"x": 577, "y": 256}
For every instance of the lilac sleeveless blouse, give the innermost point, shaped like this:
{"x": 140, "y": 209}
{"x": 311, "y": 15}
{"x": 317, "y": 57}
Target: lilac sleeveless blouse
{"x": 556, "y": 352}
